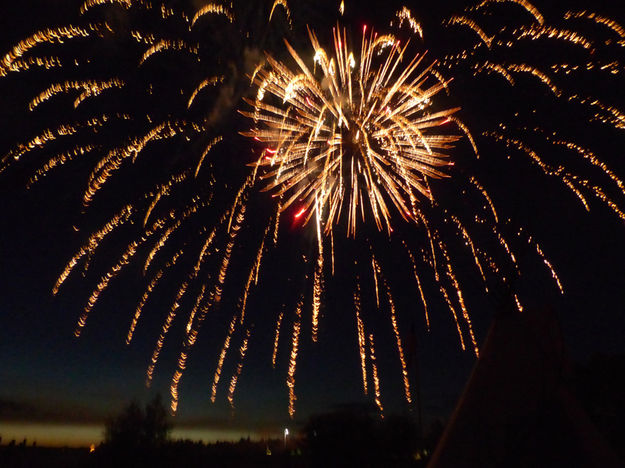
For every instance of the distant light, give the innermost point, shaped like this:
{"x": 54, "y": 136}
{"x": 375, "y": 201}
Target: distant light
{"x": 92, "y": 448}
{"x": 286, "y": 432}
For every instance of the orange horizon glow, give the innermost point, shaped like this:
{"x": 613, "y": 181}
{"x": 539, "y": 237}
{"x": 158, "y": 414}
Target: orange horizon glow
{"x": 77, "y": 435}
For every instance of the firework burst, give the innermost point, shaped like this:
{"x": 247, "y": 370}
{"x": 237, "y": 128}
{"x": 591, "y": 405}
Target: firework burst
{"x": 361, "y": 131}
{"x": 353, "y": 143}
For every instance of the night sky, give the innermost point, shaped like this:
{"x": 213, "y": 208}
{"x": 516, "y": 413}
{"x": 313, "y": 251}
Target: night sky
{"x": 59, "y": 389}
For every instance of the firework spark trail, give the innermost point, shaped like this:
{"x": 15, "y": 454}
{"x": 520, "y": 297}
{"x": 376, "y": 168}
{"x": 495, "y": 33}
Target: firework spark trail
{"x": 490, "y": 67}
{"x": 400, "y": 348}
{"x": 175, "y": 381}
{"x": 11, "y": 61}
{"x": 454, "y": 281}
{"x": 214, "y": 81}
{"x": 163, "y": 191}
{"x": 469, "y": 241}
{"x": 597, "y": 18}
{"x": 125, "y": 259}
{"x": 468, "y": 22}
{"x": 142, "y": 302}
{"x": 550, "y": 266}
{"x": 375, "y": 269}
{"x": 51, "y": 134}
{"x": 160, "y": 243}
{"x": 486, "y": 196}
{"x": 192, "y": 331}
{"x": 531, "y": 241}
{"x": 613, "y": 67}
{"x": 212, "y": 8}
{"x": 588, "y": 155}
{"x": 201, "y": 257}
{"x": 205, "y": 153}
{"x": 374, "y": 373}
{"x": 405, "y": 15}
{"x": 92, "y": 244}
{"x": 542, "y": 76}
{"x": 277, "y": 224}
{"x": 609, "y": 115}
{"x": 467, "y": 133}
{"x": 452, "y": 309}
{"x": 165, "y": 329}
{"x": 196, "y": 306}
{"x": 530, "y": 8}
{"x": 237, "y": 374}
{"x": 559, "y": 172}
{"x": 534, "y": 33}
{"x": 285, "y": 6}
{"x": 504, "y": 243}
{"x": 89, "y": 4}
{"x": 318, "y": 280}
{"x": 416, "y": 275}
{"x": 87, "y": 89}
{"x": 114, "y": 159}
{"x": 276, "y": 339}
{"x": 290, "y": 381}
{"x": 432, "y": 237}
{"x": 570, "y": 179}
{"x": 362, "y": 344}
{"x": 165, "y": 45}
{"x": 58, "y": 160}
{"x": 213, "y": 300}
{"x": 222, "y": 357}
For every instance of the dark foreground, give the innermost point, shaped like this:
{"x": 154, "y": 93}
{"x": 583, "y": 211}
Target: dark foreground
{"x": 193, "y": 454}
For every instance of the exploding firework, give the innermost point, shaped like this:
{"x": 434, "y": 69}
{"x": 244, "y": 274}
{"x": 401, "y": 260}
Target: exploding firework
{"x": 371, "y": 146}
{"x": 355, "y": 133}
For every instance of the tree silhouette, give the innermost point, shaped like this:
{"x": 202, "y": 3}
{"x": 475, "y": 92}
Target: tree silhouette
{"x": 138, "y": 429}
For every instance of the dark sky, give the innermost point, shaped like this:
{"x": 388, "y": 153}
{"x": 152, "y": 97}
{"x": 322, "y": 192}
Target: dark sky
{"x": 47, "y": 375}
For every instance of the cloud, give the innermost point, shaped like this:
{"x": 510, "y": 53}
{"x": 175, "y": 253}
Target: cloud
{"x": 16, "y": 410}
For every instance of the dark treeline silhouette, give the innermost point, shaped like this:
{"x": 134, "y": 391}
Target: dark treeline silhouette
{"x": 357, "y": 436}
{"x": 141, "y": 437}
{"x": 136, "y": 436}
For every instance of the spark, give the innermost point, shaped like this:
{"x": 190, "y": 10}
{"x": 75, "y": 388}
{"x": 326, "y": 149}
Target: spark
{"x": 290, "y": 381}
{"x": 530, "y": 8}
{"x": 400, "y": 349}
{"x": 376, "y": 378}
{"x": 212, "y": 8}
{"x": 214, "y": 81}
{"x": 418, "y": 280}
{"x": 285, "y": 6}
{"x": 88, "y": 4}
{"x": 93, "y": 242}
{"x": 599, "y": 19}
{"x": 276, "y": 339}
{"x": 362, "y": 345}
{"x": 237, "y": 374}
{"x": 213, "y": 142}
{"x": 405, "y": 15}
{"x": 464, "y": 21}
